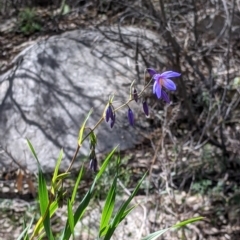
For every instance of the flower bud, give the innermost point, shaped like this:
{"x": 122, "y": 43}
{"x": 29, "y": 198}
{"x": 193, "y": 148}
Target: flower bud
{"x": 112, "y": 120}
{"x": 145, "y": 108}
{"x": 130, "y": 117}
{"x": 109, "y": 112}
{"x": 92, "y": 140}
{"x": 93, "y": 164}
{"x": 135, "y": 95}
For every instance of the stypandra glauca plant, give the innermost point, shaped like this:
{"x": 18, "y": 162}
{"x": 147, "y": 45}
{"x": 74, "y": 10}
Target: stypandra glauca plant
{"x": 52, "y": 197}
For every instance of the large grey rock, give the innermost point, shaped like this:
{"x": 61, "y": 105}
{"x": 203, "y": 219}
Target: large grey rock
{"x": 57, "y": 82}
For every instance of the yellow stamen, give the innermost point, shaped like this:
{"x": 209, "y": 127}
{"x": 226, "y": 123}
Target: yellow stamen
{"x": 161, "y": 81}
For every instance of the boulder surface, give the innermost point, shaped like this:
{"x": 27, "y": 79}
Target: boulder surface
{"x": 56, "y": 82}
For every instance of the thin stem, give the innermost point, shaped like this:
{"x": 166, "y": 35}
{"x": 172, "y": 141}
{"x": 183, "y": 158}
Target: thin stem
{"x": 99, "y": 122}
{"x": 79, "y": 146}
{"x": 74, "y": 157}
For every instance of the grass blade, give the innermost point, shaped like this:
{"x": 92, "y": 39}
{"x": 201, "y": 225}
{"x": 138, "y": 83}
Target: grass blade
{"x": 76, "y": 185}
{"x": 62, "y": 176}
{"x": 128, "y": 211}
{"x": 24, "y": 234}
{"x": 105, "y": 163}
{"x": 156, "y": 235}
{"x": 32, "y": 151}
{"x": 39, "y": 225}
{"x": 78, "y": 214}
{"x": 108, "y": 208}
{"x": 43, "y": 196}
{"x": 70, "y": 217}
{"x": 44, "y": 203}
{"x": 57, "y": 166}
{"x": 84, "y": 203}
{"x": 122, "y": 211}
{"x": 188, "y": 221}
{"x": 80, "y": 135}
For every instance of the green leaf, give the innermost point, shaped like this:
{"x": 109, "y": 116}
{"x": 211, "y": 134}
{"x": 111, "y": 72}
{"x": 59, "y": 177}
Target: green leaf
{"x": 44, "y": 203}
{"x": 24, "y": 233}
{"x": 70, "y": 217}
{"x": 36, "y": 27}
{"x": 57, "y": 166}
{"x": 128, "y": 211}
{"x": 62, "y": 176}
{"x": 43, "y": 196}
{"x": 78, "y": 214}
{"x": 236, "y": 83}
{"x": 32, "y": 150}
{"x": 84, "y": 203}
{"x": 43, "y": 192}
{"x": 108, "y": 208}
{"x": 53, "y": 208}
{"x": 121, "y": 214}
{"x": 55, "y": 184}
{"x": 66, "y": 9}
{"x": 39, "y": 225}
{"x": 105, "y": 163}
{"x": 80, "y": 135}
{"x": 186, "y": 222}
{"x": 156, "y": 235}
{"x": 76, "y": 185}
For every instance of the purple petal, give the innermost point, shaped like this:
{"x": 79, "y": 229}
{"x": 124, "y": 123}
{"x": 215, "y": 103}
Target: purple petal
{"x": 112, "y": 124}
{"x": 154, "y": 87}
{"x": 108, "y": 114}
{"x": 165, "y": 97}
{"x": 145, "y": 108}
{"x": 113, "y": 120}
{"x": 158, "y": 90}
{"x": 130, "y": 117}
{"x": 151, "y": 71}
{"x": 169, "y": 84}
{"x": 170, "y": 74}
{"x": 156, "y": 77}
{"x": 111, "y": 116}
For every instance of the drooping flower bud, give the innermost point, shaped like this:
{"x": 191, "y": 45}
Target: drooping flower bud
{"x": 93, "y": 164}
{"x": 135, "y": 95}
{"x": 109, "y": 113}
{"x": 130, "y": 117}
{"x": 113, "y": 120}
{"x": 92, "y": 140}
{"x": 93, "y": 160}
{"x": 145, "y": 107}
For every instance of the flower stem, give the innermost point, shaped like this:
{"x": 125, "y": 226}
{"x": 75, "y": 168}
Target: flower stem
{"x": 100, "y": 121}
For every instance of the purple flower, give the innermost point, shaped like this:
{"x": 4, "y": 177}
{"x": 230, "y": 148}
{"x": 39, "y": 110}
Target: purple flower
{"x": 130, "y": 117}
{"x": 165, "y": 96}
{"x": 145, "y": 107}
{"x": 162, "y": 80}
